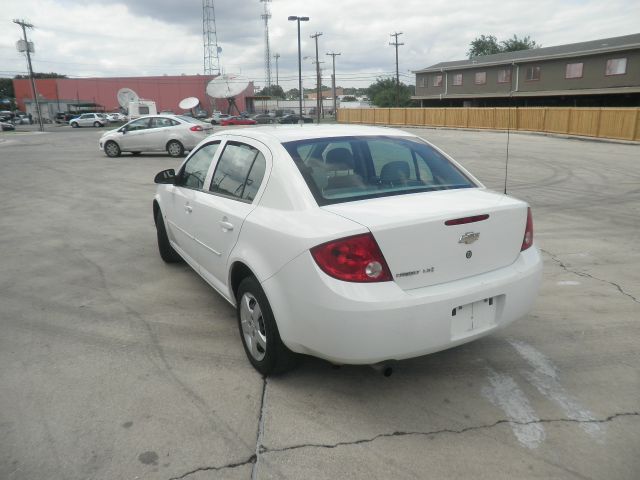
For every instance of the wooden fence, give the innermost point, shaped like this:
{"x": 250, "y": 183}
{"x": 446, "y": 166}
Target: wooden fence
{"x": 618, "y": 123}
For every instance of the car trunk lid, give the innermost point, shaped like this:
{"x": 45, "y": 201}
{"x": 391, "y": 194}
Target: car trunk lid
{"x": 419, "y": 246}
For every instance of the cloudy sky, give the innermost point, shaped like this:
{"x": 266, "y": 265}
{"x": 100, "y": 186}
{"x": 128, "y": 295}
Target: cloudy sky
{"x": 88, "y": 38}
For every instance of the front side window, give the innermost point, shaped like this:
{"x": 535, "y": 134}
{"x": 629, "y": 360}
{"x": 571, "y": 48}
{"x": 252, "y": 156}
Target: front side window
{"x": 481, "y": 78}
{"x": 616, "y": 66}
{"x": 573, "y": 70}
{"x": 140, "y": 124}
{"x": 346, "y": 169}
{"x": 457, "y": 79}
{"x": 195, "y": 170}
{"x": 504, "y": 75}
{"x": 239, "y": 172}
{"x": 437, "y": 80}
{"x": 532, "y": 74}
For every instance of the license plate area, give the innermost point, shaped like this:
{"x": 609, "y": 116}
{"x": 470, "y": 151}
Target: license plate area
{"x": 473, "y": 317}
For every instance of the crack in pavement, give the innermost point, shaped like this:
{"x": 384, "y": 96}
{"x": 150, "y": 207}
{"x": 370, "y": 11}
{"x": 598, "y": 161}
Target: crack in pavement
{"x": 249, "y": 460}
{"x": 587, "y": 275}
{"x": 254, "y": 470}
{"x": 264, "y": 449}
{"x": 253, "y": 459}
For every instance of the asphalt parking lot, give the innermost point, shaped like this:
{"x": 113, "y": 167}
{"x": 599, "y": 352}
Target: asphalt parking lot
{"x": 115, "y": 365}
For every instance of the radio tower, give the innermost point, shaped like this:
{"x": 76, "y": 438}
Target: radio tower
{"x": 267, "y": 54}
{"x": 210, "y": 39}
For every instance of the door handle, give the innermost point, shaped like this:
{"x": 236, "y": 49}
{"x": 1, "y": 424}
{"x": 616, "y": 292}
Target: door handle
{"x": 226, "y": 226}
{"x": 188, "y": 208}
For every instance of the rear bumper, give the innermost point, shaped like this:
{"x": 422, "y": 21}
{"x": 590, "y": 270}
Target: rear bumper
{"x": 369, "y": 323}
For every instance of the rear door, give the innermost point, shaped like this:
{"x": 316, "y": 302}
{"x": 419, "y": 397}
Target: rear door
{"x": 218, "y": 215}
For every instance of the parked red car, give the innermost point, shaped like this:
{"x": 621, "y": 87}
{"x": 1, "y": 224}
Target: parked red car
{"x": 237, "y": 121}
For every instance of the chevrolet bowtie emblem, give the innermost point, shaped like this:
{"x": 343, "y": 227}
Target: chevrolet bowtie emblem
{"x": 469, "y": 237}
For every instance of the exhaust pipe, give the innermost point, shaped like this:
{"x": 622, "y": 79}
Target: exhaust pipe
{"x": 383, "y": 368}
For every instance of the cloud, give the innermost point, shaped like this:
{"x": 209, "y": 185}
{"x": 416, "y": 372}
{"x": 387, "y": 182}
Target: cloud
{"x": 153, "y": 37}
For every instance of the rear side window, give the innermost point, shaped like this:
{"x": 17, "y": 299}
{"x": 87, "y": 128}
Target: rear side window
{"x": 239, "y": 172}
{"x": 353, "y": 168}
{"x": 195, "y": 170}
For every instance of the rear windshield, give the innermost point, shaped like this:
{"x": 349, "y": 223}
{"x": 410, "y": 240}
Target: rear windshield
{"x": 344, "y": 169}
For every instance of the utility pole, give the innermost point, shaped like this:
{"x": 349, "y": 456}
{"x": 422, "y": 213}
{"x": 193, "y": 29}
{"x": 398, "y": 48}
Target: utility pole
{"x": 333, "y": 82}
{"x": 277, "y": 56}
{"x": 396, "y": 44}
{"x": 318, "y": 80}
{"x": 24, "y": 26}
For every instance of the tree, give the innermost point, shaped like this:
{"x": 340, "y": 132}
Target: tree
{"x": 515, "y": 44}
{"x": 383, "y": 93}
{"x": 484, "y": 45}
{"x": 293, "y": 94}
{"x": 42, "y": 75}
{"x": 488, "y": 45}
{"x": 273, "y": 91}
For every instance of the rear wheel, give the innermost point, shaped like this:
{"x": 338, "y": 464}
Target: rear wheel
{"x": 259, "y": 332}
{"x": 97, "y": 124}
{"x": 167, "y": 252}
{"x": 175, "y": 148}
{"x": 112, "y": 149}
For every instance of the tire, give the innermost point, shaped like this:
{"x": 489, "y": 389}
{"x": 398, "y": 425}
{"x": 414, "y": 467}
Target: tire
{"x": 74, "y": 125}
{"x": 97, "y": 124}
{"x": 168, "y": 254}
{"x": 112, "y": 149}
{"x": 175, "y": 148}
{"x": 259, "y": 332}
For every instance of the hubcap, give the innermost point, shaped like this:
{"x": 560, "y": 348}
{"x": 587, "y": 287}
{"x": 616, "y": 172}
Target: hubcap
{"x": 112, "y": 150}
{"x": 174, "y": 149}
{"x": 255, "y": 336}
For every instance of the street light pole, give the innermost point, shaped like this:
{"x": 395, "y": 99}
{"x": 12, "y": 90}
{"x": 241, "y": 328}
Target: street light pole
{"x": 294, "y": 18}
{"x": 397, "y": 34}
{"x": 333, "y": 83}
{"x": 24, "y": 26}
{"x": 318, "y": 81}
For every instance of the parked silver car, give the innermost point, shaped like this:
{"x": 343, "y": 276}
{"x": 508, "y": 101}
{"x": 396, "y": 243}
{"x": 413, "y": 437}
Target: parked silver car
{"x": 89, "y": 120}
{"x": 155, "y": 133}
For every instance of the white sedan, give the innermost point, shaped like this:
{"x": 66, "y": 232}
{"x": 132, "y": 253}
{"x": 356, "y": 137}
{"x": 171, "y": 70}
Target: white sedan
{"x": 155, "y": 133}
{"x": 359, "y": 245}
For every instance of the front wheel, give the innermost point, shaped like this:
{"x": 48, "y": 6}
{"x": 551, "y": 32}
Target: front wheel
{"x": 112, "y": 149}
{"x": 168, "y": 254}
{"x": 74, "y": 125}
{"x": 259, "y": 332}
{"x": 175, "y": 148}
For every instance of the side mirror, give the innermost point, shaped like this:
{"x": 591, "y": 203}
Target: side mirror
{"x": 166, "y": 176}
{"x": 123, "y": 130}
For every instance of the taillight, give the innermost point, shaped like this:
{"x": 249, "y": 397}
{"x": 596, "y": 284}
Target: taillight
{"x": 352, "y": 259}
{"x": 527, "y": 241}
{"x": 196, "y": 128}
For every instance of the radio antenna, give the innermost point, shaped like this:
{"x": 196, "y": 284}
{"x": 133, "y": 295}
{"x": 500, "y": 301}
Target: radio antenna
{"x": 510, "y": 106}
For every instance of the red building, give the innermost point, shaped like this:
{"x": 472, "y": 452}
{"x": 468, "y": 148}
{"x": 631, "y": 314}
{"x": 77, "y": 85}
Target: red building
{"x": 57, "y": 94}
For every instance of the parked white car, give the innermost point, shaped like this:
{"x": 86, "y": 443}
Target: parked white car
{"x": 358, "y": 245}
{"x": 155, "y": 133}
{"x": 89, "y": 120}
{"x": 116, "y": 117}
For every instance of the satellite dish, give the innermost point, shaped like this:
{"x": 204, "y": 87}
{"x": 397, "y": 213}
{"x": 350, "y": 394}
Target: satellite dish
{"x": 226, "y": 86}
{"x": 188, "y": 103}
{"x": 126, "y": 95}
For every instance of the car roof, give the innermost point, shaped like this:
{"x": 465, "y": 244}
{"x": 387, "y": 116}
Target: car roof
{"x": 291, "y": 133}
